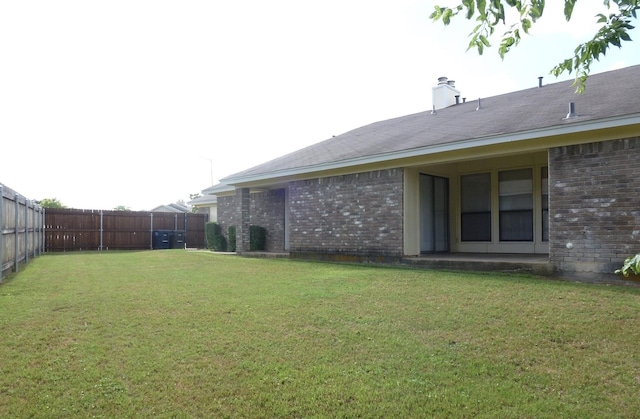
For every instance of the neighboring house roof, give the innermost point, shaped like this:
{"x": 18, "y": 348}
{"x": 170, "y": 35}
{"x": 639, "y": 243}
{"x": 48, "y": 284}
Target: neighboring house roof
{"x": 204, "y": 200}
{"x": 610, "y": 100}
{"x": 178, "y": 208}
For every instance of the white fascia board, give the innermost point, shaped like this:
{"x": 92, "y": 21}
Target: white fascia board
{"x": 568, "y": 128}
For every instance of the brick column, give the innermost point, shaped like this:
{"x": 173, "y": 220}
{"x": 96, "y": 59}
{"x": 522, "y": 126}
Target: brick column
{"x": 242, "y": 229}
{"x": 593, "y": 205}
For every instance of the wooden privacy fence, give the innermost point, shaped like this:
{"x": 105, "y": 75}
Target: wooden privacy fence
{"x": 76, "y": 229}
{"x": 21, "y": 232}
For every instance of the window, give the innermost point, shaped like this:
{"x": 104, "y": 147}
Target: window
{"x": 476, "y": 207}
{"x": 516, "y": 205}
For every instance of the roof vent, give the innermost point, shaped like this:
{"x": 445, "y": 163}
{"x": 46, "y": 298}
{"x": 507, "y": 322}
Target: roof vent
{"x": 572, "y": 111}
{"x": 479, "y": 105}
{"x": 540, "y": 81}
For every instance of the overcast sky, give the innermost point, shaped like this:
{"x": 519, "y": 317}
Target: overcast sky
{"x": 142, "y": 103}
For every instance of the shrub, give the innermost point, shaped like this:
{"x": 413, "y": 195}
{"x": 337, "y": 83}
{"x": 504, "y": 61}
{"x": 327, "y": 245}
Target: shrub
{"x": 257, "y": 238}
{"x": 215, "y": 239}
{"x": 631, "y": 266}
{"x": 231, "y": 242}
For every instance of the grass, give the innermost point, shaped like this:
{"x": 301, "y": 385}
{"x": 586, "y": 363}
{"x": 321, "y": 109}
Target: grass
{"x": 190, "y": 334}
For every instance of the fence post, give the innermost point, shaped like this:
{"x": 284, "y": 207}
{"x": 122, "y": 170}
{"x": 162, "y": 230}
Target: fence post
{"x": 32, "y": 215}
{"x": 186, "y": 217}
{"x": 26, "y": 231}
{"x": 100, "y": 246}
{"x": 151, "y": 232}
{"x": 15, "y": 230}
{"x": 41, "y": 230}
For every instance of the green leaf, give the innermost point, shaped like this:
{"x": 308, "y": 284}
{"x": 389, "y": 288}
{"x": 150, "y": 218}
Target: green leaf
{"x": 636, "y": 266}
{"x": 630, "y": 265}
{"x": 568, "y": 64}
{"x": 470, "y": 5}
{"x": 481, "y": 6}
{"x": 568, "y": 8}
{"x": 505, "y": 45}
{"x": 472, "y": 42}
{"x": 446, "y": 16}
{"x": 535, "y": 9}
{"x": 535, "y": 13}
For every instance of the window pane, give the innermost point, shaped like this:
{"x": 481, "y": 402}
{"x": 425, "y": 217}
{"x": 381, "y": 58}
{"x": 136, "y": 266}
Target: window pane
{"x": 516, "y": 205}
{"x": 476, "y": 227}
{"x": 475, "y": 206}
{"x": 476, "y": 192}
{"x": 516, "y": 225}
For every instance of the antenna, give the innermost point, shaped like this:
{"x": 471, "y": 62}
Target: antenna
{"x": 210, "y": 166}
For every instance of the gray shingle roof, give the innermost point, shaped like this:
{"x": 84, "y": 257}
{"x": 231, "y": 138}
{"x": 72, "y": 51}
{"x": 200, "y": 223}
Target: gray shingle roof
{"x": 204, "y": 200}
{"x": 608, "y": 95}
{"x": 217, "y": 188}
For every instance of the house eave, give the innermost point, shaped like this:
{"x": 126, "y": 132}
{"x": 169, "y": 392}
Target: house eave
{"x": 567, "y": 127}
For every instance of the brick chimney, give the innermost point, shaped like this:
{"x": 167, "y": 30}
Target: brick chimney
{"x": 444, "y": 94}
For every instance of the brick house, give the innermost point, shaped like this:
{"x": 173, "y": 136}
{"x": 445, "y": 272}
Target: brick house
{"x": 540, "y": 171}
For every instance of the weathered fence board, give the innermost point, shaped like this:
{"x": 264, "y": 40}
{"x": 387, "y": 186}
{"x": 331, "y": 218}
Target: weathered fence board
{"x": 21, "y": 230}
{"x": 76, "y": 229}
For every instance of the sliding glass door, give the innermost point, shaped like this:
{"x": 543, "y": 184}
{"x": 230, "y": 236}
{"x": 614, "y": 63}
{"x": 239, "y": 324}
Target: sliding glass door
{"x": 434, "y": 214}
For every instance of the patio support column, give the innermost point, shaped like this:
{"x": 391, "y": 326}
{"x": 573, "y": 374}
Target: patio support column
{"x": 242, "y": 230}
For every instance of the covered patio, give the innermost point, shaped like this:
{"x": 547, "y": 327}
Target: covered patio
{"x": 537, "y": 264}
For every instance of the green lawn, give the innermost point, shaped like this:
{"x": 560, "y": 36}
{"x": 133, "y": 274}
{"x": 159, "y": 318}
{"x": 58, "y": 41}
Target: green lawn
{"x": 194, "y": 334}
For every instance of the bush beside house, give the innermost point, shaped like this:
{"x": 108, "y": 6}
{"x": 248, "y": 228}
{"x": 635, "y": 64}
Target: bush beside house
{"x": 215, "y": 239}
{"x": 231, "y": 234}
{"x": 257, "y": 238}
